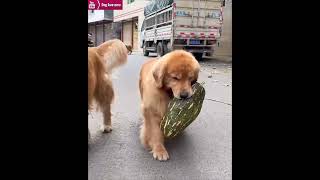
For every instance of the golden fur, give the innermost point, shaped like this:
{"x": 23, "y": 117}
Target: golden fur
{"x": 101, "y": 60}
{"x": 160, "y": 79}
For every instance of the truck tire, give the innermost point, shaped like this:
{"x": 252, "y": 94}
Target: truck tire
{"x": 145, "y": 52}
{"x": 159, "y": 49}
{"x": 165, "y": 48}
{"x": 198, "y": 56}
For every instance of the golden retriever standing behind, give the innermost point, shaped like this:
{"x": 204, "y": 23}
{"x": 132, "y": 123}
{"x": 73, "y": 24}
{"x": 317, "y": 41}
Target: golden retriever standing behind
{"x": 160, "y": 79}
{"x": 101, "y": 60}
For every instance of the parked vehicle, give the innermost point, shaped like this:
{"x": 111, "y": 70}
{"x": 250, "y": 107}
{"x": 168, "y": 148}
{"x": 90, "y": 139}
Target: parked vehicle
{"x": 192, "y": 25}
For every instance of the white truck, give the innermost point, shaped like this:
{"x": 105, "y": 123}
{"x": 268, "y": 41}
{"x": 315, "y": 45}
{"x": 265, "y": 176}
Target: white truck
{"x": 192, "y": 25}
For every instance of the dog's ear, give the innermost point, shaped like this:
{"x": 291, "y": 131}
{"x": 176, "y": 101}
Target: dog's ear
{"x": 158, "y": 73}
{"x": 196, "y": 72}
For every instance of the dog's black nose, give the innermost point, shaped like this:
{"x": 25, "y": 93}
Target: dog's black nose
{"x": 184, "y": 95}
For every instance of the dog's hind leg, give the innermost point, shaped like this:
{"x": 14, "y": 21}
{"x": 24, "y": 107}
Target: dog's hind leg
{"x": 104, "y": 97}
{"x": 107, "y": 127}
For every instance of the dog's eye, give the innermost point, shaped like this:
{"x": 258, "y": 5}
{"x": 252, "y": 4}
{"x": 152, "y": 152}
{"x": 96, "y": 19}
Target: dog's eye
{"x": 175, "y": 78}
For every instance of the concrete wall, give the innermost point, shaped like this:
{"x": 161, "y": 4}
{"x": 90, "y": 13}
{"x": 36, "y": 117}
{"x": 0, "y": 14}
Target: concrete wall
{"x": 130, "y": 11}
{"x": 225, "y": 47}
{"x": 97, "y": 15}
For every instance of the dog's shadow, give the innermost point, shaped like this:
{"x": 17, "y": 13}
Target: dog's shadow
{"x": 181, "y": 146}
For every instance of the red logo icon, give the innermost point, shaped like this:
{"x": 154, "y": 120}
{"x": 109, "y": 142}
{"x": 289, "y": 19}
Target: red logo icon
{"x": 104, "y": 4}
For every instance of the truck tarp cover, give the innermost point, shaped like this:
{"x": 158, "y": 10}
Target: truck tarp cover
{"x": 156, "y": 5}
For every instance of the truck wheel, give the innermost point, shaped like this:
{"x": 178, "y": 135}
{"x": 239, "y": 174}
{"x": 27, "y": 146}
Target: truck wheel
{"x": 165, "y": 49}
{"x": 160, "y": 49}
{"x": 198, "y": 56}
{"x": 145, "y": 52}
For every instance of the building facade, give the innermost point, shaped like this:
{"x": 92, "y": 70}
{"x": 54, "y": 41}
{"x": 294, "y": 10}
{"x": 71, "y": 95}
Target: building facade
{"x": 102, "y": 27}
{"x": 131, "y": 19}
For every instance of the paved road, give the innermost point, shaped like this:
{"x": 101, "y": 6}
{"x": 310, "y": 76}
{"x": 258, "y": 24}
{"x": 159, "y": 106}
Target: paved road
{"x": 202, "y": 152}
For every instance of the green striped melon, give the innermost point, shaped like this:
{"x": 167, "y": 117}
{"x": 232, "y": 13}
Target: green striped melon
{"x": 182, "y": 112}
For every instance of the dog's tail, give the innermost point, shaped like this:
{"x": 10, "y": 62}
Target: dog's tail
{"x": 113, "y": 53}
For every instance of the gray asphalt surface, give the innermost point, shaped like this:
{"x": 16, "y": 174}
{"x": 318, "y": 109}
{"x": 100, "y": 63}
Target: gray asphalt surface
{"x": 203, "y": 151}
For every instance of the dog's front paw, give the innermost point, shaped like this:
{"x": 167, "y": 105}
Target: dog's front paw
{"x": 106, "y": 128}
{"x": 160, "y": 153}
